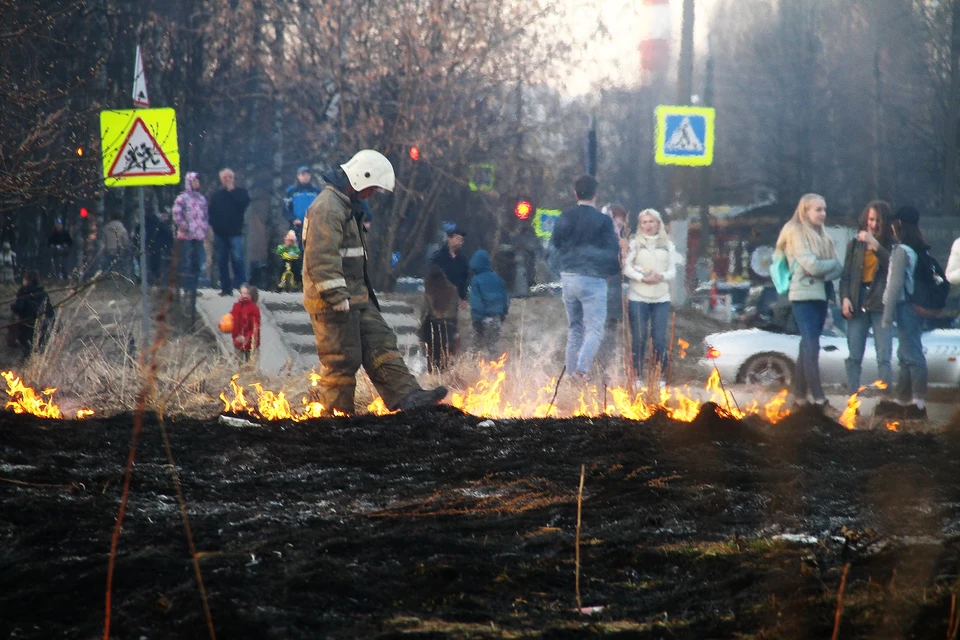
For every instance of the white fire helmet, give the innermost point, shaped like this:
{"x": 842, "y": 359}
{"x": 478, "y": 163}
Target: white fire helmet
{"x": 369, "y": 168}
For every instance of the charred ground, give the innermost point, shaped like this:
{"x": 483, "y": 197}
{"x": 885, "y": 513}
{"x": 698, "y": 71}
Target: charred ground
{"x": 429, "y": 525}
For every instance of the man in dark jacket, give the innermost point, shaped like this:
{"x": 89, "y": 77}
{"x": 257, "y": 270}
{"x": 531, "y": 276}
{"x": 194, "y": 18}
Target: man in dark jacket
{"x": 34, "y": 313}
{"x": 585, "y": 250}
{"x": 296, "y": 199}
{"x": 60, "y": 244}
{"x": 226, "y": 210}
{"x": 454, "y": 264}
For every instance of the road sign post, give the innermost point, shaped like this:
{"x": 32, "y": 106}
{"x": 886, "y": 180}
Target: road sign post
{"x": 684, "y": 135}
{"x": 140, "y": 149}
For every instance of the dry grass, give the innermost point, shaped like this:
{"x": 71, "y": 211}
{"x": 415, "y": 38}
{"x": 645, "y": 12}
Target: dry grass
{"x": 93, "y": 356}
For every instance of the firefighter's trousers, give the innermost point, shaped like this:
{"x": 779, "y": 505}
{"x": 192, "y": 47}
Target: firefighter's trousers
{"x": 360, "y": 336}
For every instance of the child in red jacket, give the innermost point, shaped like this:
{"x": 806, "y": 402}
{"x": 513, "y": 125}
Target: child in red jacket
{"x": 246, "y": 322}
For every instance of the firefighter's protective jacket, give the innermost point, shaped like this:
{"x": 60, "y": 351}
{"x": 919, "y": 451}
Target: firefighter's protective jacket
{"x": 334, "y": 253}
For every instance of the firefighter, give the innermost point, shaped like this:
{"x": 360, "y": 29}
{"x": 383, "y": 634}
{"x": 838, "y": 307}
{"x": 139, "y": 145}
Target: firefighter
{"x": 347, "y": 324}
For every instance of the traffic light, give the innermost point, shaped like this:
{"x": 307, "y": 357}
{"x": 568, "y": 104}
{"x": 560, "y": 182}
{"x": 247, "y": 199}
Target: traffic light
{"x": 523, "y": 209}
{"x": 415, "y": 153}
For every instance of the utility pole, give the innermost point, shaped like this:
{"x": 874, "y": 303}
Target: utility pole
{"x": 684, "y": 94}
{"x": 685, "y": 68}
{"x": 953, "y": 114}
{"x": 706, "y": 186}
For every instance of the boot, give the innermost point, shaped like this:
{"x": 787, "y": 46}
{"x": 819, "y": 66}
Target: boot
{"x": 423, "y": 398}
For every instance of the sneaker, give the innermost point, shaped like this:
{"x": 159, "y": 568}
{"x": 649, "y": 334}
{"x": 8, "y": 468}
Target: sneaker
{"x": 913, "y": 412}
{"x": 423, "y": 398}
{"x": 224, "y": 294}
{"x": 580, "y": 377}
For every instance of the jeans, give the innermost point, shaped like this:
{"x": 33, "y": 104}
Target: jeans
{"x": 857, "y": 329}
{"x": 912, "y": 374}
{"x": 810, "y": 316}
{"x": 229, "y": 249}
{"x": 191, "y": 262}
{"x": 486, "y": 336}
{"x": 585, "y": 298}
{"x": 649, "y": 319}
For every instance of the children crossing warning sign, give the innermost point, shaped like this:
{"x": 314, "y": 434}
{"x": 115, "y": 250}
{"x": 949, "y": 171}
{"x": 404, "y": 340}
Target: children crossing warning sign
{"x": 139, "y": 147}
{"x": 684, "y": 135}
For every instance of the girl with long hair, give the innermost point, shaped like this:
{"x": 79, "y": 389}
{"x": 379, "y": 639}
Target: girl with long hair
{"x": 862, "y": 284}
{"x": 912, "y": 364}
{"x": 813, "y": 262}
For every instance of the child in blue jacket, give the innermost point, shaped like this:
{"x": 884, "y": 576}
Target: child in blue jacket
{"x": 489, "y": 304}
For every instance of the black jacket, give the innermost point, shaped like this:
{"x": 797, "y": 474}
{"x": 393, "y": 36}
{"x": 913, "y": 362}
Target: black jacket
{"x": 584, "y": 243}
{"x": 32, "y": 303}
{"x": 226, "y": 211}
{"x": 60, "y": 238}
{"x": 456, "y": 268}
{"x": 853, "y": 274}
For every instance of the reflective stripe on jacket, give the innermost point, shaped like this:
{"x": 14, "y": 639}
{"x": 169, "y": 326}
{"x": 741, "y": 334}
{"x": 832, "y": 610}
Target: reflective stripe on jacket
{"x": 334, "y": 255}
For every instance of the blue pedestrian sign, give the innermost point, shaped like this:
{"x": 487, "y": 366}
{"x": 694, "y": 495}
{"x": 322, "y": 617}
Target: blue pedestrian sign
{"x": 684, "y": 135}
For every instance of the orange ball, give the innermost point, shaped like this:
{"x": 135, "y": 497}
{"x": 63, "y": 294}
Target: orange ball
{"x": 226, "y": 323}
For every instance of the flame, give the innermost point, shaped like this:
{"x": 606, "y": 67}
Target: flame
{"x": 892, "y": 425}
{"x": 275, "y": 405}
{"x": 879, "y": 384}
{"x": 378, "y": 408}
{"x": 489, "y": 398}
{"x": 683, "y": 344}
{"x": 849, "y": 416}
{"x": 494, "y": 396}
{"x": 25, "y": 400}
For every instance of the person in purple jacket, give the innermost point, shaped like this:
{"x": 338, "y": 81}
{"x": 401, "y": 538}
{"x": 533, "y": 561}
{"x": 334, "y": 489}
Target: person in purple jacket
{"x": 190, "y": 218}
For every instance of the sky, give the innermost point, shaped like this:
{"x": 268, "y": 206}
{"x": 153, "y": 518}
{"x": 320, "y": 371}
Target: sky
{"x": 615, "y": 54}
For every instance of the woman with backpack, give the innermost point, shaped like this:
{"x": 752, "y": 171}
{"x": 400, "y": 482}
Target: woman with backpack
{"x": 906, "y": 271}
{"x": 862, "y": 284}
{"x": 813, "y": 263}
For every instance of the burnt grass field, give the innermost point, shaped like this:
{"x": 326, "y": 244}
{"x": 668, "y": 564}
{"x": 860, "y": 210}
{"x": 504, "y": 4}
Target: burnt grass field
{"x": 431, "y": 525}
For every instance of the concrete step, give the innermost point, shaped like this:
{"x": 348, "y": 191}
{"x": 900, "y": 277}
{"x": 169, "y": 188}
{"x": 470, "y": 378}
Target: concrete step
{"x": 287, "y": 332}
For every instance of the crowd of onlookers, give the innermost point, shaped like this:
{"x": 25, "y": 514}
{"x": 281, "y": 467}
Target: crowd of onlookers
{"x": 888, "y": 282}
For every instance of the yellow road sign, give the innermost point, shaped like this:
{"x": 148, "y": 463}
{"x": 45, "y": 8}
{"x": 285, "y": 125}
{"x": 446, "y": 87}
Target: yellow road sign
{"x": 684, "y": 135}
{"x": 139, "y": 147}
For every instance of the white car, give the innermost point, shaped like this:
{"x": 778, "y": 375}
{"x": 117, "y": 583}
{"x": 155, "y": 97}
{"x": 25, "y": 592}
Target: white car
{"x": 756, "y": 356}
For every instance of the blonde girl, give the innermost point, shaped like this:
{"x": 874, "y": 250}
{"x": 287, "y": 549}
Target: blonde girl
{"x": 649, "y": 267}
{"x": 813, "y": 263}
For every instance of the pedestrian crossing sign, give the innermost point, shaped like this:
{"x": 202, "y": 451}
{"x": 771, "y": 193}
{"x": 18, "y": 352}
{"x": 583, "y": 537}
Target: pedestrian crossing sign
{"x": 543, "y": 221}
{"x": 139, "y": 147}
{"x": 684, "y": 135}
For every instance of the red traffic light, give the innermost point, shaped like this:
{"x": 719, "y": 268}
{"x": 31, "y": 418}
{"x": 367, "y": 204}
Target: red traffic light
{"x": 414, "y": 153}
{"x": 83, "y": 212}
{"x": 523, "y": 209}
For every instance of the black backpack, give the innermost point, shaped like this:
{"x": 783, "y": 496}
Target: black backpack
{"x": 930, "y": 286}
